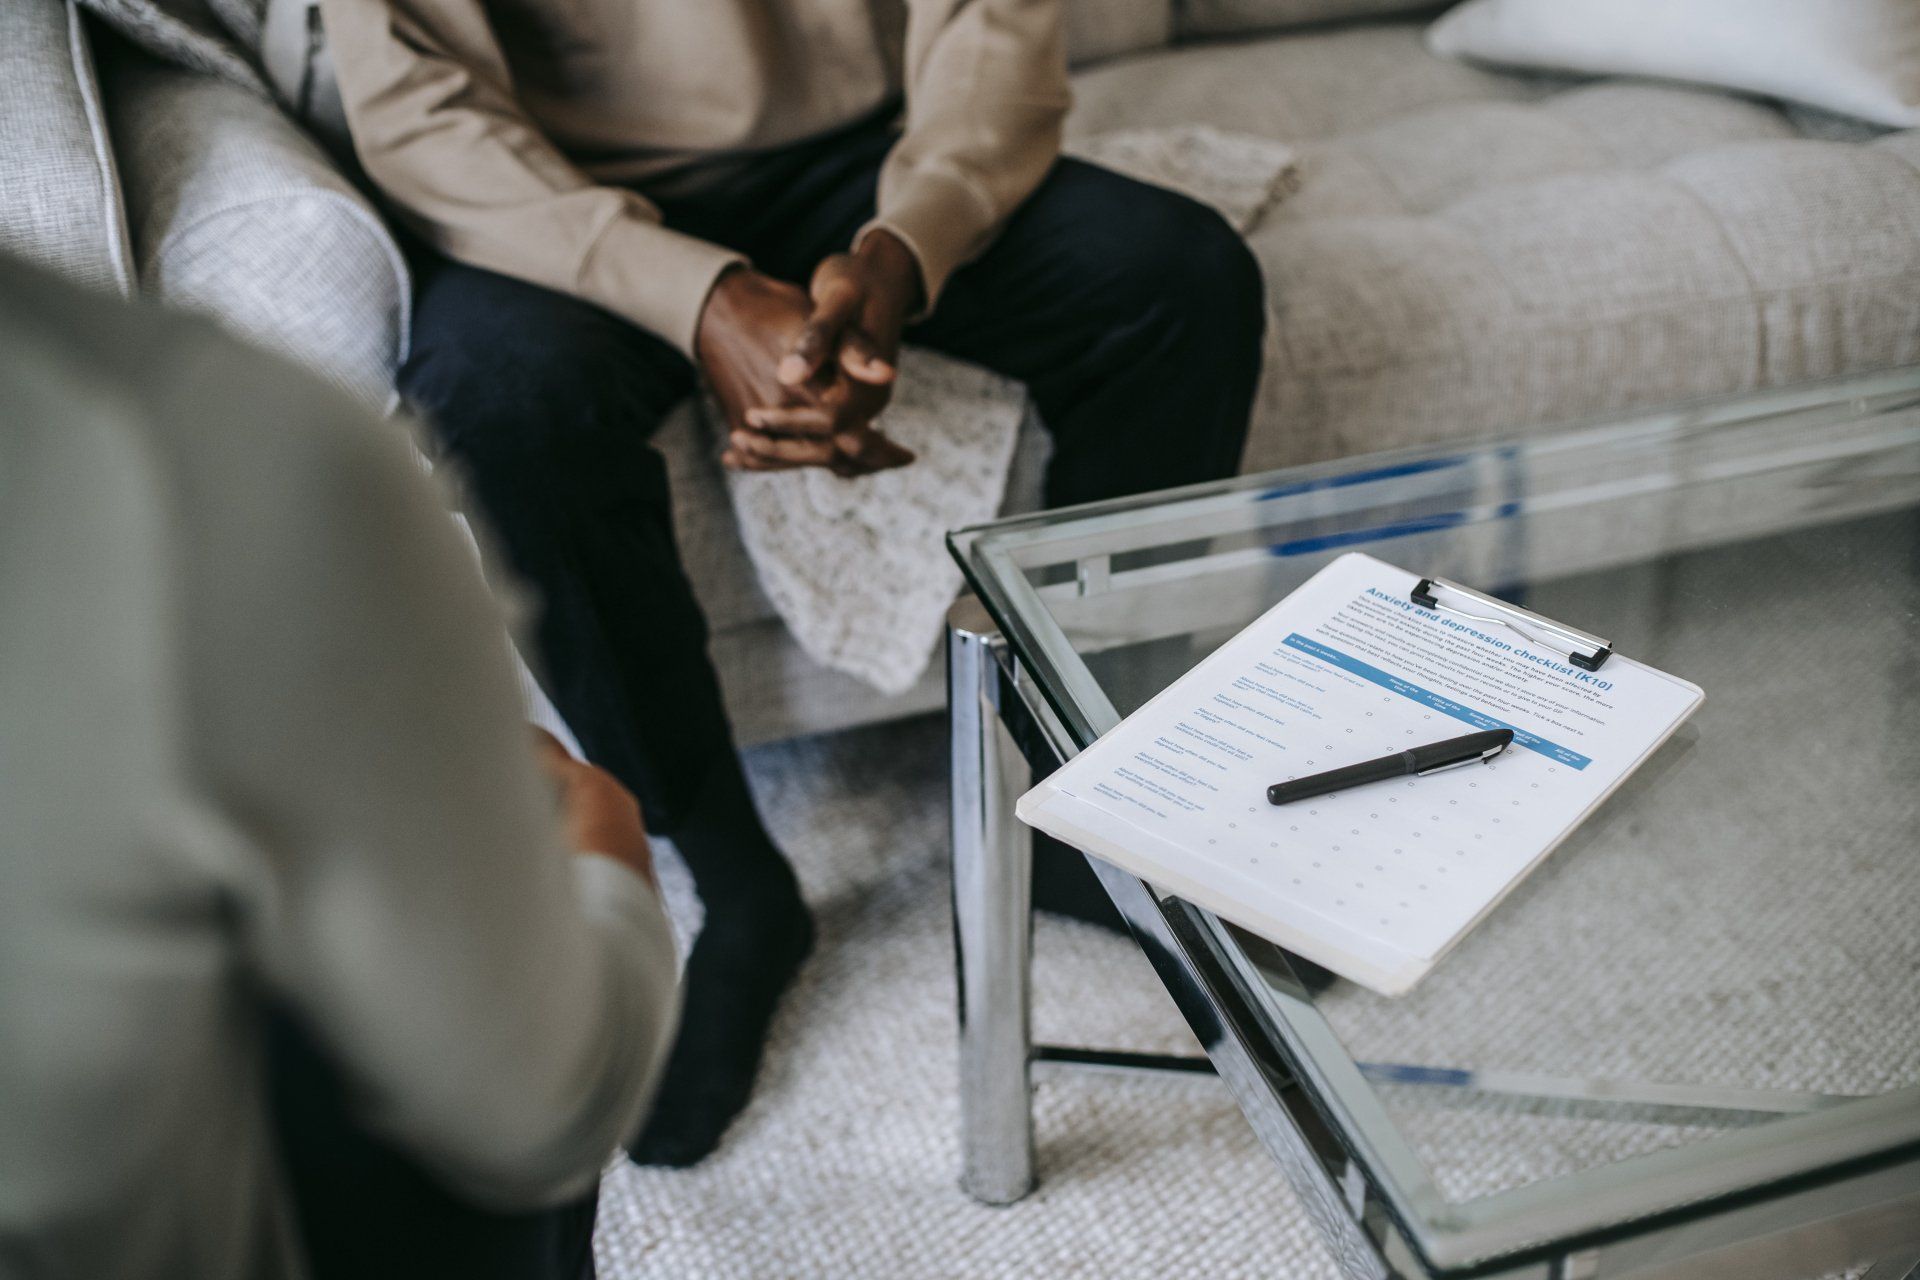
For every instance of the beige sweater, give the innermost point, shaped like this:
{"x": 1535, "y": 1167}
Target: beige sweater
{"x": 261, "y": 742}
{"x": 517, "y": 135}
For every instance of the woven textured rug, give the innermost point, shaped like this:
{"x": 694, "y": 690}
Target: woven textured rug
{"x": 846, "y": 1163}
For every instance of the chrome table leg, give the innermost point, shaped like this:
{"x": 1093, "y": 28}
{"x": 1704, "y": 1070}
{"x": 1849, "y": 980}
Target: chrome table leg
{"x": 992, "y": 916}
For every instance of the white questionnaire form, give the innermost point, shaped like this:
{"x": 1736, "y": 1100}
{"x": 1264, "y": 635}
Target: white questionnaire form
{"x": 1378, "y": 881}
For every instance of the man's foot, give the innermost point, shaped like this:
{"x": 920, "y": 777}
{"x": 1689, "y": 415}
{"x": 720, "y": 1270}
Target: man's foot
{"x": 741, "y": 963}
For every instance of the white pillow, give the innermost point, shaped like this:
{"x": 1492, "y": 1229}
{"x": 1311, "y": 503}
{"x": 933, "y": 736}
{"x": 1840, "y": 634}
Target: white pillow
{"x": 1855, "y": 57}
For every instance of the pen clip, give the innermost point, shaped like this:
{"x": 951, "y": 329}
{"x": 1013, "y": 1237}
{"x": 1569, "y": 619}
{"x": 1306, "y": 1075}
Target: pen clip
{"x": 1457, "y": 764}
{"x": 1583, "y": 650}
{"x": 1482, "y": 758}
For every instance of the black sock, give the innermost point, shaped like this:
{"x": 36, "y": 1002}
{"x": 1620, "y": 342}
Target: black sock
{"x": 757, "y": 932}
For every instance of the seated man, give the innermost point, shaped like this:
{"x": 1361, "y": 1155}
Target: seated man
{"x": 264, "y": 786}
{"x": 622, "y": 199}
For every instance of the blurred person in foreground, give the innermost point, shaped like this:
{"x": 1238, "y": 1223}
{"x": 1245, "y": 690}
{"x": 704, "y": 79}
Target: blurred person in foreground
{"x": 305, "y": 967}
{"x": 618, "y": 200}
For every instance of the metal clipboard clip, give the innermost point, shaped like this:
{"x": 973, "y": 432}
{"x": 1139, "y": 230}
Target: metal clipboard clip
{"x": 1588, "y": 652}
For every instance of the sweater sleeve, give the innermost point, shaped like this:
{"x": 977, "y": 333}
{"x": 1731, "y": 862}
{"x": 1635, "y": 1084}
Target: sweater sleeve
{"x": 986, "y": 93}
{"x": 434, "y": 119}
{"x": 499, "y": 1005}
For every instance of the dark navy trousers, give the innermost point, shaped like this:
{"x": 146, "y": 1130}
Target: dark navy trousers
{"x": 1133, "y": 315}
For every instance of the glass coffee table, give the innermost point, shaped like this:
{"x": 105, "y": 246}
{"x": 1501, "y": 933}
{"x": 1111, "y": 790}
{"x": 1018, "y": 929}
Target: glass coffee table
{"x": 1689, "y": 1043}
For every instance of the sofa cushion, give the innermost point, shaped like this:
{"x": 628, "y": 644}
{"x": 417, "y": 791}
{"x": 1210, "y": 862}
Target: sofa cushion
{"x": 1291, "y": 88}
{"x": 238, "y": 214}
{"x": 1099, "y": 29}
{"x": 61, "y": 206}
{"x": 1473, "y": 253}
{"x": 1237, "y": 17}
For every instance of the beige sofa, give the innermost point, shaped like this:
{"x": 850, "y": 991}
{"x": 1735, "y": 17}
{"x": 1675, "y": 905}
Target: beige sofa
{"x": 1469, "y": 252}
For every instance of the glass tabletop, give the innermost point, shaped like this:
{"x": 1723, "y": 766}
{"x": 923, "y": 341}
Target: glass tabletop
{"x": 1714, "y": 985}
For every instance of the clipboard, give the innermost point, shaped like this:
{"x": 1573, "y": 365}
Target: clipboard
{"x": 1376, "y": 883}
{"x": 1584, "y": 650}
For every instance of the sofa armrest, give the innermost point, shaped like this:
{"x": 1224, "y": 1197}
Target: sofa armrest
{"x": 236, "y": 213}
{"x": 61, "y": 201}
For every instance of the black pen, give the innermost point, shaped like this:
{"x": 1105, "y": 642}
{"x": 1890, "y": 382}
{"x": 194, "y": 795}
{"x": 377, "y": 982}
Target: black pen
{"x": 1475, "y": 748}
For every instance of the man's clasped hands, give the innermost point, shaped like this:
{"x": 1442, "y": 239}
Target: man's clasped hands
{"x": 801, "y": 373}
